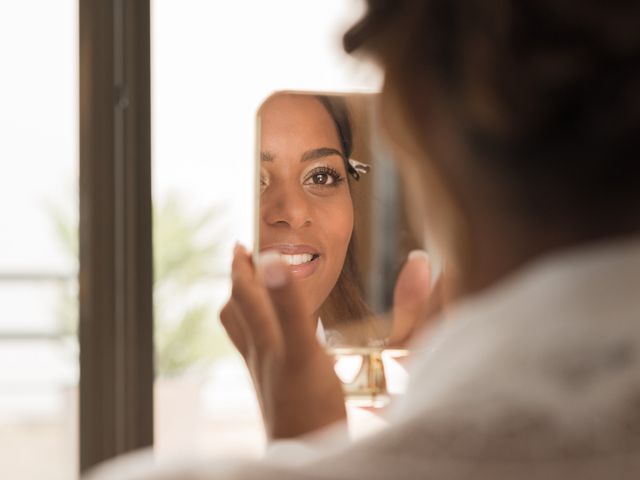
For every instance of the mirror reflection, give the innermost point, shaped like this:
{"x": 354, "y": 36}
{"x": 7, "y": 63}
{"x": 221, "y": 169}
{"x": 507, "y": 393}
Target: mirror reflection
{"x": 331, "y": 206}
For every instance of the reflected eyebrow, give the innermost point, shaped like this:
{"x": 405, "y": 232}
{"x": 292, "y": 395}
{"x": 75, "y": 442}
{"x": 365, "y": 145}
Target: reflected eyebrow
{"x": 266, "y": 156}
{"x": 319, "y": 153}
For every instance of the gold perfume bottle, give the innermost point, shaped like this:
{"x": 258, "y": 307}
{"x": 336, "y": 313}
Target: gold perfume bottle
{"x": 363, "y": 374}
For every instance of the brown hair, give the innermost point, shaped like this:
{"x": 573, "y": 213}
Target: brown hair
{"x": 544, "y": 93}
{"x": 345, "y": 302}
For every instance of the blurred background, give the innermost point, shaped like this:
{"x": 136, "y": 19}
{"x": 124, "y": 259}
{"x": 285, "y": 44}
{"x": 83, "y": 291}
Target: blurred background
{"x": 213, "y": 63}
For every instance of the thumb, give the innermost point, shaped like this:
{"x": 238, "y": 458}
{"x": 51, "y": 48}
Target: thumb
{"x": 410, "y": 296}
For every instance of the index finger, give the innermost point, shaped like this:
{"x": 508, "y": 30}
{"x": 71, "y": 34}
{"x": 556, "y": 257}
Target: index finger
{"x": 296, "y": 320}
{"x": 253, "y": 301}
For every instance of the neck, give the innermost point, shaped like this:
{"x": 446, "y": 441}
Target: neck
{"x": 500, "y": 248}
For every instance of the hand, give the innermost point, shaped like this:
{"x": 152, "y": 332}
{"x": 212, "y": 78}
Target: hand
{"x": 415, "y": 305}
{"x": 415, "y": 302}
{"x": 274, "y": 331}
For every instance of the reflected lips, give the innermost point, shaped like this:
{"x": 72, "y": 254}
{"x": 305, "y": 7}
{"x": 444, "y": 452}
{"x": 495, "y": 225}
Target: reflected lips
{"x": 303, "y": 260}
{"x": 304, "y": 269}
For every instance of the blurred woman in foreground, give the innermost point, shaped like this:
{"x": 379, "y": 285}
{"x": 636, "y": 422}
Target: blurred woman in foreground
{"x": 520, "y": 121}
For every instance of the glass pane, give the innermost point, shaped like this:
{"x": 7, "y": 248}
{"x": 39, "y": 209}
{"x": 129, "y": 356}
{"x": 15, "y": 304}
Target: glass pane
{"x": 213, "y": 64}
{"x": 38, "y": 245}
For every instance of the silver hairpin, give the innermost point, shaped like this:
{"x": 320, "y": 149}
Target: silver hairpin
{"x": 357, "y": 168}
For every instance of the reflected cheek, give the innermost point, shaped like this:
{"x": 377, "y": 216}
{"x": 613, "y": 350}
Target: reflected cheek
{"x": 337, "y": 227}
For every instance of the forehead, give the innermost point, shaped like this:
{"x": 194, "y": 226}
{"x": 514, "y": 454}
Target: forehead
{"x": 293, "y": 124}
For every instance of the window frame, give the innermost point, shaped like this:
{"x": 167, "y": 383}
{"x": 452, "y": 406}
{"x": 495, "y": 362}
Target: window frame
{"x": 115, "y": 278}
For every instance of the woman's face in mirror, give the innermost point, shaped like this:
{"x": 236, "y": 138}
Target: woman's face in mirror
{"x": 306, "y": 211}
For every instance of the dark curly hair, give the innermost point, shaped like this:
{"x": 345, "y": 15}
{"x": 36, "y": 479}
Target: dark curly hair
{"x": 545, "y": 94}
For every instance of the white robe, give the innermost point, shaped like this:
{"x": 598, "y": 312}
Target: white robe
{"x": 538, "y": 377}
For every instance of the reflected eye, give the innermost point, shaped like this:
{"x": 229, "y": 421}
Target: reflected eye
{"x": 323, "y": 176}
{"x": 321, "y": 179}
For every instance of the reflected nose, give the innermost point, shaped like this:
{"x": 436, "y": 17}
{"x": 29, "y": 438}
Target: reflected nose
{"x": 286, "y": 207}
